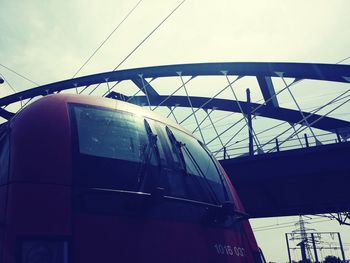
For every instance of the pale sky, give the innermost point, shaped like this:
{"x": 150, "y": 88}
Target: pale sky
{"x": 48, "y": 41}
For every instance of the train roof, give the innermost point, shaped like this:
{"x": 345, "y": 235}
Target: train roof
{"x": 50, "y": 102}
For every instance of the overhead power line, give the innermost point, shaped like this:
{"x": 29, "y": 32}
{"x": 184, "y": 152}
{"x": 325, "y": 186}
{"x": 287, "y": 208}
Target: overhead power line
{"x": 8, "y": 83}
{"x": 286, "y": 226}
{"x": 20, "y": 75}
{"x": 155, "y": 29}
{"x": 280, "y": 224}
{"x": 106, "y": 39}
{"x": 340, "y": 61}
{"x": 144, "y": 40}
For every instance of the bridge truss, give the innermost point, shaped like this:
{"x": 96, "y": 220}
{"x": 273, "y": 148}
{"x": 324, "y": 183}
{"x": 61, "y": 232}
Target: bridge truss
{"x": 236, "y": 109}
{"x": 210, "y": 100}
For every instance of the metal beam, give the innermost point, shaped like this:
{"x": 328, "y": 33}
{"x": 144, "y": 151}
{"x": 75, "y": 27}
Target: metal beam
{"x": 283, "y": 114}
{"x": 6, "y": 114}
{"x": 143, "y": 84}
{"x": 267, "y": 90}
{"x": 328, "y": 72}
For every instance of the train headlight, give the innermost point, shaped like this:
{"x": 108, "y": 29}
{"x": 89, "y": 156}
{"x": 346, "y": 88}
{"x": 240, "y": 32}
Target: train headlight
{"x": 44, "y": 251}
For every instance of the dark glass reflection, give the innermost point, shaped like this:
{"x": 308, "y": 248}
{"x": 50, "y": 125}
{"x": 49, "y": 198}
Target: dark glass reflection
{"x": 121, "y": 151}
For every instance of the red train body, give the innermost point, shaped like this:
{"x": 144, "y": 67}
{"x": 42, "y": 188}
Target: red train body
{"x": 87, "y": 179}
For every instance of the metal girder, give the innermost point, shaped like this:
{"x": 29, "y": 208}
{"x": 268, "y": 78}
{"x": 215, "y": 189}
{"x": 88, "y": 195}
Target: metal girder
{"x": 284, "y": 114}
{"x": 329, "y": 72}
{"x": 293, "y": 182}
{"x": 343, "y": 218}
{"x": 145, "y": 84}
{"x": 6, "y": 114}
{"x": 267, "y": 90}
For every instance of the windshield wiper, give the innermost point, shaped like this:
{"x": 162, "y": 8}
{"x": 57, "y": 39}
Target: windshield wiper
{"x": 218, "y": 170}
{"x": 227, "y": 208}
{"x": 179, "y": 145}
{"x": 150, "y": 148}
{"x": 198, "y": 168}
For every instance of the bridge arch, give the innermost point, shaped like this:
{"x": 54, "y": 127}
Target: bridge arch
{"x": 263, "y": 72}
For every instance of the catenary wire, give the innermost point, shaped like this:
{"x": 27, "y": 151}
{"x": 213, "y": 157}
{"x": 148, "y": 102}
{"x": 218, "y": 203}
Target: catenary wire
{"x": 20, "y": 75}
{"x": 144, "y": 40}
{"x": 107, "y": 38}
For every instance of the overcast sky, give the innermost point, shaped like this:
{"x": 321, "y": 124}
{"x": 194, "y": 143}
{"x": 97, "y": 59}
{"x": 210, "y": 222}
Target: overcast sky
{"x": 49, "y": 40}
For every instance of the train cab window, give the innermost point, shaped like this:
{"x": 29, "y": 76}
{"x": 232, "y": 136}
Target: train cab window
{"x": 114, "y": 149}
{"x": 4, "y": 154}
{"x": 121, "y": 151}
{"x": 110, "y": 134}
{"x": 195, "y": 175}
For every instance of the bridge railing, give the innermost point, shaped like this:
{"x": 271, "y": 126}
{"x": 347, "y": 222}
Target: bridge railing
{"x": 279, "y": 144}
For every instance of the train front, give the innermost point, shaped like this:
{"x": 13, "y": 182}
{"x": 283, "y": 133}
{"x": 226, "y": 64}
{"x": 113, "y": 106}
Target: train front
{"x": 98, "y": 180}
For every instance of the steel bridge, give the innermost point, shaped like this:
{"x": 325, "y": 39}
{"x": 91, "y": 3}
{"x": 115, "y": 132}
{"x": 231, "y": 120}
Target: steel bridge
{"x": 283, "y": 160}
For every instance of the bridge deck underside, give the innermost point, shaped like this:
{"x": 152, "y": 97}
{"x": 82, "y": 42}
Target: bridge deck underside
{"x": 304, "y": 181}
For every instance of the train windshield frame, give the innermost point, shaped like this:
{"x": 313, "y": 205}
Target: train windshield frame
{"x": 122, "y": 151}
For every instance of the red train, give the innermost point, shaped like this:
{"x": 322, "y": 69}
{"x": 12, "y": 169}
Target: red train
{"x": 86, "y": 179}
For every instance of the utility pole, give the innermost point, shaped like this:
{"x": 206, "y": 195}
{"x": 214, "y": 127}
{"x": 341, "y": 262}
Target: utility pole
{"x": 313, "y": 246}
{"x": 301, "y": 235}
{"x": 250, "y": 126}
{"x": 341, "y": 247}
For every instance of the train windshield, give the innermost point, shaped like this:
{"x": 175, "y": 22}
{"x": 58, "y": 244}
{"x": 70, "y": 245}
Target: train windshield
{"x": 121, "y": 151}
{"x": 104, "y": 133}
